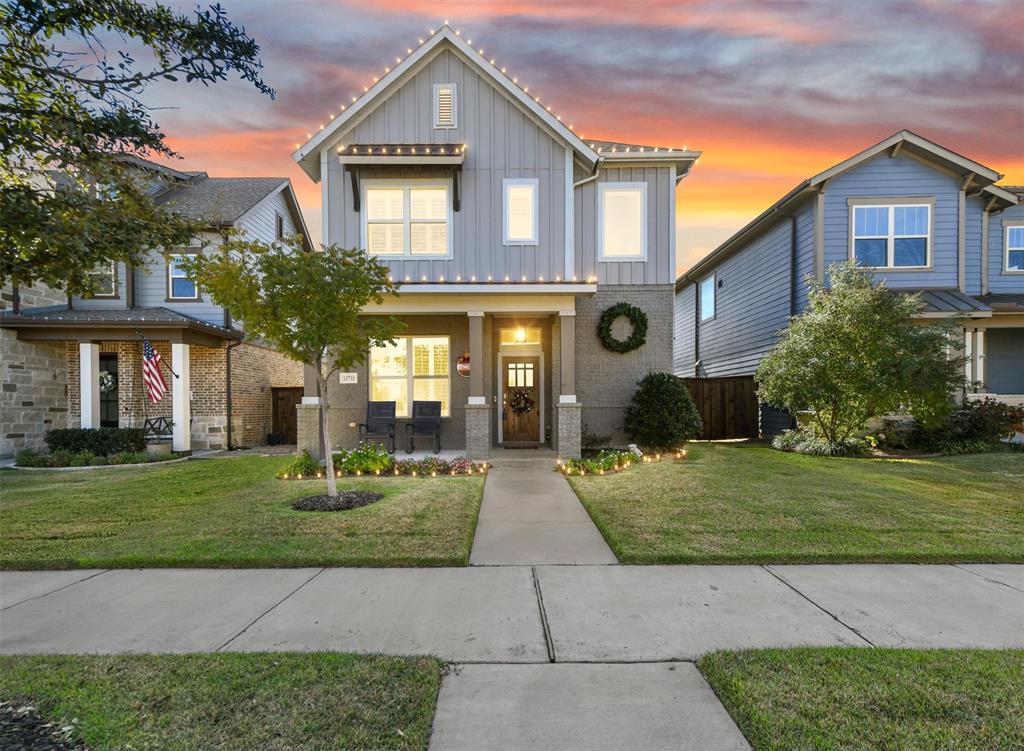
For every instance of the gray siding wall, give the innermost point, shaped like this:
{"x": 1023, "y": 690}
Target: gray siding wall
{"x": 1004, "y": 361}
{"x": 752, "y": 305}
{"x": 151, "y": 289}
{"x": 503, "y": 141}
{"x": 972, "y": 250}
{"x": 105, "y": 303}
{"x": 998, "y": 279}
{"x": 902, "y": 175}
{"x": 260, "y": 221}
{"x": 683, "y": 355}
{"x": 805, "y": 251}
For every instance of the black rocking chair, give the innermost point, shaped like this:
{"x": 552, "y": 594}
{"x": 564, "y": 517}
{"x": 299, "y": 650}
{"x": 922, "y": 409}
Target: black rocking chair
{"x": 426, "y": 420}
{"x": 380, "y": 423}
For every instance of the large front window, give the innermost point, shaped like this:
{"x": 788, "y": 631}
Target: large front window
{"x": 414, "y": 368}
{"x": 406, "y": 219}
{"x": 891, "y": 236}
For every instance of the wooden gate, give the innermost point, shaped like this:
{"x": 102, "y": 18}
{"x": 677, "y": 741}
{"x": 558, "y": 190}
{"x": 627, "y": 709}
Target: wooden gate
{"x": 285, "y": 419}
{"x": 728, "y": 406}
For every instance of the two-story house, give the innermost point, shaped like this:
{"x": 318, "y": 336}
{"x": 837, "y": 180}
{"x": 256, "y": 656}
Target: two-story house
{"x": 509, "y": 235}
{"x": 921, "y": 217}
{"x": 74, "y": 362}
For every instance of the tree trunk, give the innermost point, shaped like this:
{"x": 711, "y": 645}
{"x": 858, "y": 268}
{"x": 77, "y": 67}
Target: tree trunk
{"x": 332, "y": 485}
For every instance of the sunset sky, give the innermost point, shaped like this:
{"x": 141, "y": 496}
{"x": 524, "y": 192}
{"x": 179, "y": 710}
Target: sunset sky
{"x": 771, "y": 92}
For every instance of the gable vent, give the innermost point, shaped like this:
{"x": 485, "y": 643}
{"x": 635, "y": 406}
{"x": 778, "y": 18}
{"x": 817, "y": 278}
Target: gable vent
{"x": 444, "y": 105}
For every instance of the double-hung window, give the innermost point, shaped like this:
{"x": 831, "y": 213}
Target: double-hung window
{"x": 622, "y": 221}
{"x": 520, "y": 200}
{"x": 892, "y": 236}
{"x": 1015, "y": 248}
{"x": 179, "y": 286}
{"x": 407, "y": 219}
{"x": 104, "y": 280}
{"x": 413, "y": 368}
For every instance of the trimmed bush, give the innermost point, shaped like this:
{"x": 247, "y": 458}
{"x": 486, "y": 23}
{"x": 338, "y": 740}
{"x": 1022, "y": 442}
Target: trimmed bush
{"x": 662, "y": 416}
{"x": 806, "y": 441}
{"x": 99, "y": 441}
{"x": 32, "y": 458}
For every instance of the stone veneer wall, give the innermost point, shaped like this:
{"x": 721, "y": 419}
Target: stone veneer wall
{"x": 606, "y": 380}
{"x": 33, "y": 379}
{"x": 255, "y": 370}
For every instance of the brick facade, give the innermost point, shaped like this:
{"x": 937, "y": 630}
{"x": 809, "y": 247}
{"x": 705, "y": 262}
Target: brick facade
{"x": 255, "y": 370}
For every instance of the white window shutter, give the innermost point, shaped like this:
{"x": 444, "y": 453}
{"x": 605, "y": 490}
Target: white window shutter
{"x": 444, "y": 105}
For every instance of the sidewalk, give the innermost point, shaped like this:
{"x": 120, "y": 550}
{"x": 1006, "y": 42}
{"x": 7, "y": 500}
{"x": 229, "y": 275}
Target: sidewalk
{"x": 530, "y": 516}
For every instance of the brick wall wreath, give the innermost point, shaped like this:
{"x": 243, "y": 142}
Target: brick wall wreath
{"x": 638, "y": 320}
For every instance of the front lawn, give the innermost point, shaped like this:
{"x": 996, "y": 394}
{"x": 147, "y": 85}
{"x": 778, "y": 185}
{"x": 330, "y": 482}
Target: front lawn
{"x": 231, "y": 701}
{"x": 730, "y": 503}
{"x": 862, "y": 699}
{"x": 228, "y": 513}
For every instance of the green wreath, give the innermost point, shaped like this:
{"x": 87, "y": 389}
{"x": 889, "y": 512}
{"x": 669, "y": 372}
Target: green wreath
{"x": 636, "y": 317}
{"x": 520, "y": 402}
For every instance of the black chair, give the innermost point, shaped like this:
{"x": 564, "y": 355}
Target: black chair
{"x": 426, "y": 420}
{"x": 380, "y": 423}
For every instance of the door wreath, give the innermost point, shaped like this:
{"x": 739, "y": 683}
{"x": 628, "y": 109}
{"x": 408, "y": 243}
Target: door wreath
{"x": 520, "y": 402}
{"x": 637, "y": 318}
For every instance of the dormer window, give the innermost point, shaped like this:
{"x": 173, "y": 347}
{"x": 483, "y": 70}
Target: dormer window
{"x": 445, "y": 106}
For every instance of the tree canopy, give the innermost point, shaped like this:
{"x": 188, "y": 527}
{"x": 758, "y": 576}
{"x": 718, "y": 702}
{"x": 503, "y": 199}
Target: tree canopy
{"x": 857, "y": 352}
{"x": 307, "y": 305}
{"x": 70, "y": 109}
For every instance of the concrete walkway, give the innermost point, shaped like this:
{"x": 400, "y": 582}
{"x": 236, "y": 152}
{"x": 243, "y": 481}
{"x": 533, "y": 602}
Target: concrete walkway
{"x": 530, "y": 516}
{"x": 567, "y": 657}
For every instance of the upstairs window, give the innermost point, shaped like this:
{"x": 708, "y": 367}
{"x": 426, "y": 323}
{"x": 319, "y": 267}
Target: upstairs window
{"x": 707, "y": 298}
{"x": 1015, "y": 248}
{"x": 407, "y": 219}
{"x": 622, "y": 209}
{"x": 104, "y": 279}
{"x": 179, "y": 286}
{"x": 520, "y": 199}
{"x": 892, "y": 237}
{"x": 445, "y": 106}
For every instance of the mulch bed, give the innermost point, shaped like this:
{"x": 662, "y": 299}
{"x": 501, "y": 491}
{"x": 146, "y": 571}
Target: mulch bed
{"x": 347, "y": 499}
{"x": 23, "y": 729}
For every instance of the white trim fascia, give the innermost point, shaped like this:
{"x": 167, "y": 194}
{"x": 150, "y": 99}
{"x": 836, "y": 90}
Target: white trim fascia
{"x": 445, "y": 33}
{"x": 601, "y": 189}
{"x": 916, "y": 140}
{"x": 399, "y": 160}
{"x": 497, "y": 289}
{"x": 1001, "y": 193}
{"x": 405, "y": 184}
{"x": 570, "y": 214}
{"x": 534, "y": 183}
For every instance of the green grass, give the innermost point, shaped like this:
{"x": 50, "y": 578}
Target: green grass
{"x": 227, "y": 513}
{"x": 732, "y": 503}
{"x": 231, "y": 701}
{"x": 862, "y": 699}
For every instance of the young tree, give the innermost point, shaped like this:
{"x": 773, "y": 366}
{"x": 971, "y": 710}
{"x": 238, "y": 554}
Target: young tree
{"x": 306, "y": 304}
{"x": 858, "y": 352}
{"x": 70, "y": 111}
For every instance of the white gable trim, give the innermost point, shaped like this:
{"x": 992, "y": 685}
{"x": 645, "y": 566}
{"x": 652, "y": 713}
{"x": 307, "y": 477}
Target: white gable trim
{"x": 368, "y": 101}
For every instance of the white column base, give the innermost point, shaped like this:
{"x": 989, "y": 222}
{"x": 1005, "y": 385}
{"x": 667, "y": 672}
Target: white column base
{"x": 89, "y": 383}
{"x": 181, "y": 398}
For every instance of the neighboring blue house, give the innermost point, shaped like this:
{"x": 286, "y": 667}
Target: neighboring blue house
{"x": 914, "y": 212}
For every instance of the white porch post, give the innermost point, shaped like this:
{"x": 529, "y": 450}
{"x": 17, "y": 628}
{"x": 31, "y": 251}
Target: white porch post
{"x": 181, "y": 398}
{"x": 89, "y": 383}
{"x": 979, "y": 360}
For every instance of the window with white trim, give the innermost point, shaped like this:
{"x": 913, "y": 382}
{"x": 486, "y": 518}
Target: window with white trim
{"x": 707, "y": 298}
{"x": 445, "y": 105}
{"x": 622, "y": 219}
{"x": 406, "y": 219}
{"x": 1015, "y": 248}
{"x": 892, "y": 236}
{"x": 520, "y": 201}
{"x": 413, "y": 368}
{"x": 179, "y": 286}
{"x": 104, "y": 279}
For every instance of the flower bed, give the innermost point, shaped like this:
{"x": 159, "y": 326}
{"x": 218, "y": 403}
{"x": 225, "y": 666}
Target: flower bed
{"x": 610, "y": 462}
{"x": 371, "y": 460}
{"x": 32, "y": 459}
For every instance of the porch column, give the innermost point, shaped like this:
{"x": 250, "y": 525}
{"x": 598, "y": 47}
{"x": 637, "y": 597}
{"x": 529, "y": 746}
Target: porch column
{"x": 309, "y": 431}
{"x": 569, "y": 409}
{"x": 478, "y": 411}
{"x": 89, "y": 383}
{"x": 181, "y": 398}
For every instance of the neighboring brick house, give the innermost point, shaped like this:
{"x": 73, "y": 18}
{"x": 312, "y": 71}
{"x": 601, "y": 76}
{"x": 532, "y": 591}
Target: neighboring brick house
{"x": 509, "y": 235}
{"x": 54, "y": 349}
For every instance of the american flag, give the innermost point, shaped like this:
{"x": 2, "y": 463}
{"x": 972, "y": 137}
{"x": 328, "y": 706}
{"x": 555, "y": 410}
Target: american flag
{"x": 156, "y": 386}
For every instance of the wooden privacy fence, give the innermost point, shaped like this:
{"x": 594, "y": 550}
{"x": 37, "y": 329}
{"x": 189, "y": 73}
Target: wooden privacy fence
{"x": 728, "y": 406}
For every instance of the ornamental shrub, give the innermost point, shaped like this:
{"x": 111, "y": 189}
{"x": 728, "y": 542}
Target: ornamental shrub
{"x": 662, "y": 415}
{"x": 805, "y": 441}
{"x": 99, "y": 441}
{"x": 367, "y": 458}
{"x": 32, "y": 458}
{"x": 971, "y": 427}
{"x": 304, "y": 465}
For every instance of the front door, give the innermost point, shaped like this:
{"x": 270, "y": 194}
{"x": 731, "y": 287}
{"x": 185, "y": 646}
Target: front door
{"x": 520, "y": 400}
{"x": 285, "y": 419}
